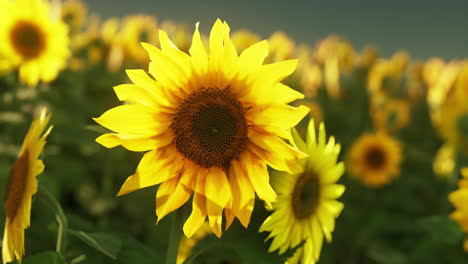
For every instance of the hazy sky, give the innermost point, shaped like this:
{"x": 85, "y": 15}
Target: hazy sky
{"x": 424, "y": 28}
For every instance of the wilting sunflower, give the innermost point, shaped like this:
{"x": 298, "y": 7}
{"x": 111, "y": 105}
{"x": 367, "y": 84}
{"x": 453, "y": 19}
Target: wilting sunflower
{"x": 459, "y": 199}
{"x": 306, "y": 207}
{"x": 212, "y": 121}
{"x": 374, "y": 159}
{"x": 33, "y": 40}
{"x": 21, "y": 186}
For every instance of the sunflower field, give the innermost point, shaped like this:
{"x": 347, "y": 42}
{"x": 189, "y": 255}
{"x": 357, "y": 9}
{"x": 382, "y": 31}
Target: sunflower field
{"x": 139, "y": 140}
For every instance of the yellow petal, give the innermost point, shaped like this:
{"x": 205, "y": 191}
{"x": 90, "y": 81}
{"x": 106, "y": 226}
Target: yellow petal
{"x": 134, "y": 94}
{"x": 333, "y": 191}
{"x": 144, "y": 81}
{"x": 133, "y": 119}
{"x": 277, "y": 115}
{"x": 243, "y": 195}
{"x": 251, "y": 59}
{"x": 135, "y": 142}
{"x": 277, "y": 153}
{"x": 258, "y": 174}
{"x": 165, "y": 69}
{"x": 217, "y": 194}
{"x": 173, "y": 193}
{"x": 198, "y": 54}
{"x": 198, "y": 215}
{"x": 155, "y": 167}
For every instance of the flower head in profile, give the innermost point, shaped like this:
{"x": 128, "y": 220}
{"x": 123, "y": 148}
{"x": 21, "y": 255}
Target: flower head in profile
{"x": 374, "y": 159}
{"x": 32, "y": 40}
{"x": 307, "y": 205}
{"x": 459, "y": 199}
{"x": 211, "y": 121}
{"x": 21, "y": 186}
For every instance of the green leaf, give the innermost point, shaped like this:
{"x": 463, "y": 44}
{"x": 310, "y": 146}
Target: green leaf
{"x": 49, "y": 257}
{"x": 384, "y": 253}
{"x": 441, "y": 229}
{"x": 107, "y": 244}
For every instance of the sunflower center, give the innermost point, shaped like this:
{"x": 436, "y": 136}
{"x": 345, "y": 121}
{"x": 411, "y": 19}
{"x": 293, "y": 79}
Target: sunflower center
{"x": 462, "y": 124}
{"x": 375, "y": 158}
{"x": 306, "y": 195}
{"x": 27, "y": 39}
{"x": 16, "y": 185}
{"x": 210, "y": 127}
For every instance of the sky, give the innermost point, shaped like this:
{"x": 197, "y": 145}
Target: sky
{"x": 423, "y": 28}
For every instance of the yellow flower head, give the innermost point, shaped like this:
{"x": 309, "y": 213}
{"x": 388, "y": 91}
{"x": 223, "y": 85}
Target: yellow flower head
{"x": 307, "y": 204}
{"x": 452, "y": 123}
{"x": 391, "y": 115}
{"x": 21, "y": 186}
{"x": 137, "y": 29}
{"x": 444, "y": 161}
{"x": 374, "y": 159}
{"x": 386, "y": 76}
{"x": 336, "y": 55}
{"x": 73, "y": 13}
{"x": 309, "y": 72}
{"x": 211, "y": 120}
{"x": 243, "y": 39}
{"x": 281, "y": 47}
{"x": 33, "y": 40}
{"x": 459, "y": 199}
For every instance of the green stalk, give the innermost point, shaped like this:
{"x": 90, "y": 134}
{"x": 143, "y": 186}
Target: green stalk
{"x": 175, "y": 235}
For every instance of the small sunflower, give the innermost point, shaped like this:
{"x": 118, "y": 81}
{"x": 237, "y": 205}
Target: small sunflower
{"x": 391, "y": 115}
{"x": 306, "y": 207}
{"x": 34, "y": 41}
{"x": 375, "y": 159}
{"x": 459, "y": 199}
{"x": 243, "y": 39}
{"x": 21, "y": 186}
{"x": 281, "y": 47}
{"x": 73, "y": 13}
{"x": 137, "y": 29}
{"x": 453, "y": 124}
{"x": 444, "y": 161}
{"x": 211, "y": 121}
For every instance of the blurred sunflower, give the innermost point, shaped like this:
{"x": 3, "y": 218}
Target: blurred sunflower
{"x": 179, "y": 34}
{"x": 306, "y": 207}
{"x": 459, "y": 199}
{"x": 453, "y": 124}
{"x": 336, "y": 56}
{"x": 21, "y": 186}
{"x": 73, "y": 13}
{"x": 137, "y": 29}
{"x": 374, "y": 158}
{"x": 444, "y": 161}
{"x": 243, "y": 39}
{"x": 212, "y": 121}
{"x": 33, "y": 40}
{"x": 281, "y": 47}
{"x": 391, "y": 115}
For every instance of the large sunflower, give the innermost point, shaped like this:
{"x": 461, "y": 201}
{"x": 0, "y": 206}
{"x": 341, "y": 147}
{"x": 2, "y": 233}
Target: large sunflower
{"x": 306, "y": 207}
{"x": 459, "y": 199}
{"x": 375, "y": 159}
{"x": 22, "y": 184}
{"x": 33, "y": 40}
{"x": 212, "y": 121}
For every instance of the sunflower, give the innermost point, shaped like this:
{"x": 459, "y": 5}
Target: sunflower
{"x": 306, "y": 207}
{"x": 453, "y": 124}
{"x": 137, "y": 29}
{"x": 21, "y": 186}
{"x": 179, "y": 33}
{"x": 212, "y": 121}
{"x": 375, "y": 159}
{"x": 459, "y": 199}
{"x": 73, "y": 13}
{"x": 281, "y": 47}
{"x": 391, "y": 115}
{"x": 244, "y": 38}
{"x": 34, "y": 41}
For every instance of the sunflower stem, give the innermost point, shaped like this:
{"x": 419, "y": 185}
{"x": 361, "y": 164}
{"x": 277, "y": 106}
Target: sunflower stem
{"x": 174, "y": 236}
